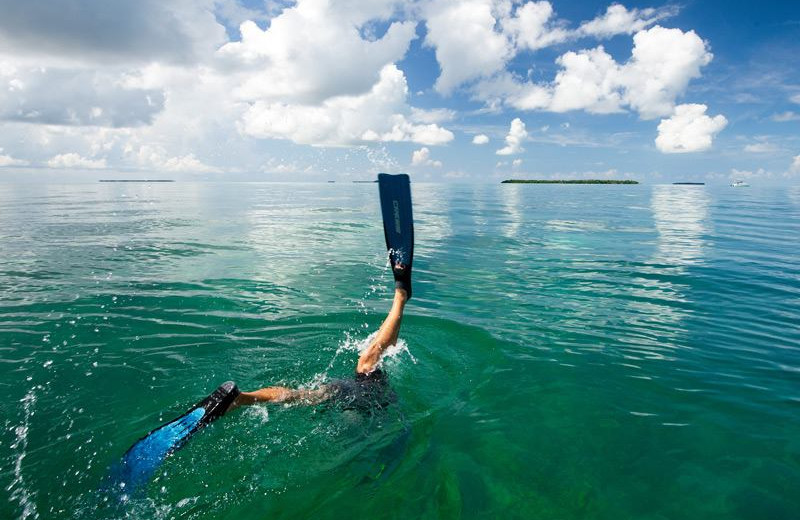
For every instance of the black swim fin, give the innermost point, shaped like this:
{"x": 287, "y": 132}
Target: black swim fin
{"x": 398, "y": 226}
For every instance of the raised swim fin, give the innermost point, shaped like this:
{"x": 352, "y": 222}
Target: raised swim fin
{"x": 142, "y": 460}
{"x": 398, "y": 226}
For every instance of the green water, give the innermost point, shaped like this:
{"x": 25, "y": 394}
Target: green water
{"x": 571, "y": 352}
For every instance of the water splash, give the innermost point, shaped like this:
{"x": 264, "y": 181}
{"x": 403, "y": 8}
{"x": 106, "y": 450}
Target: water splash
{"x": 19, "y": 491}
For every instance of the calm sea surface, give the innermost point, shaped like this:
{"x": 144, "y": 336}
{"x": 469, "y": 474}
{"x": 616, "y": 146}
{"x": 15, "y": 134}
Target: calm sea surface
{"x": 592, "y": 352}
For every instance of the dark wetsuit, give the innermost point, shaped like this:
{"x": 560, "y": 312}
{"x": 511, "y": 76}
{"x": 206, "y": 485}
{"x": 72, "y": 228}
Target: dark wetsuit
{"x": 365, "y": 393}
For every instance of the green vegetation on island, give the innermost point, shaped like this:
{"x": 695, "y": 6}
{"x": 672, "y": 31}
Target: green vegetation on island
{"x": 568, "y": 181}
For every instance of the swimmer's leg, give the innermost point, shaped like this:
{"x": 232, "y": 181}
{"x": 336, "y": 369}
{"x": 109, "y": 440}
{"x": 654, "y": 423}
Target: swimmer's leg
{"x": 387, "y": 334}
{"x": 281, "y": 394}
{"x": 386, "y": 337}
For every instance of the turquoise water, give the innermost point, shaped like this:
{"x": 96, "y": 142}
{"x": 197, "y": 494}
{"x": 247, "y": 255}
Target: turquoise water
{"x": 603, "y": 352}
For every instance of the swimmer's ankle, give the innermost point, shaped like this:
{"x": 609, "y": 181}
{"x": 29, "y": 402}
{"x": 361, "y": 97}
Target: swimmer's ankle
{"x": 400, "y": 293}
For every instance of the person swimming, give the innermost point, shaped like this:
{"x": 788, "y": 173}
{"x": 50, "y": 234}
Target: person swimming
{"x": 370, "y": 387}
{"x": 367, "y": 391}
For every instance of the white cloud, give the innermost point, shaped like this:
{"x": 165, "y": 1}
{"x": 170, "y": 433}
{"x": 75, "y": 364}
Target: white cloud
{"x": 345, "y": 120}
{"x": 83, "y": 97}
{"x": 588, "y": 80}
{"x": 7, "y": 160}
{"x": 516, "y": 136}
{"x": 532, "y": 27}
{"x": 436, "y": 115}
{"x": 761, "y": 147}
{"x": 618, "y": 20}
{"x": 75, "y": 161}
{"x": 186, "y": 163}
{"x": 155, "y": 157}
{"x": 689, "y": 129}
{"x": 422, "y": 157}
{"x": 480, "y": 139}
{"x": 785, "y": 117}
{"x": 476, "y": 39}
{"x": 314, "y": 51}
{"x": 516, "y": 163}
{"x": 466, "y": 43}
{"x": 795, "y": 99}
{"x": 795, "y": 167}
{"x": 662, "y": 63}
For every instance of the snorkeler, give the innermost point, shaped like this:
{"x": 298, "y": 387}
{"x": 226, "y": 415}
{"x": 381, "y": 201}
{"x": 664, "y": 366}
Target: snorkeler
{"x": 370, "y": 387}
{"x": 369, "y": 390}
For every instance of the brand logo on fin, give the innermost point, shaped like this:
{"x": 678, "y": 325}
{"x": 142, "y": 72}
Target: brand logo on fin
{"x": 396, "y": 206}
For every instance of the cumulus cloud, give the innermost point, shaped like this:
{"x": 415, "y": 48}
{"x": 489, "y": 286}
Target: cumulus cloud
{"x": 688, "y": 130}
{"x": 374, "y": 116}
{"x": 480, "y": 139}
{"x": 516, "y": 136}
{"x": 466, "y": 43}
{"x": 533, "y": 27}
{"x": 662, "y": 64}
{"x": 318, "y": 76}
{"x": 422, "y": 157}
{"x": 7, "y": 160}
{"x": 516, "y": 163}
{"x": 75, "y": 161}
{"x": 476, "y": 39}
{"x": 315, "y": 51}
{"x": 795, "y": 99}
{"x": 619, "y": 20}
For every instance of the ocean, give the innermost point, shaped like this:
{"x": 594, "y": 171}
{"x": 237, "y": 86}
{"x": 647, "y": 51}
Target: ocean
{"x": 570, "y": 352}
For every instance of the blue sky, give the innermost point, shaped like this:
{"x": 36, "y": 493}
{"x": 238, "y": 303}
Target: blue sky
{"x": 452, "y": 91}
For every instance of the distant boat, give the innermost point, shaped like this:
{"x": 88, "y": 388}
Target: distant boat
{"x": 739, "y": 184}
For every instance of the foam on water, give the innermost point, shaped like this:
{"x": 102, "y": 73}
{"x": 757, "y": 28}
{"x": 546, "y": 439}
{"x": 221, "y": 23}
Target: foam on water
{"x": 19, "y": 492}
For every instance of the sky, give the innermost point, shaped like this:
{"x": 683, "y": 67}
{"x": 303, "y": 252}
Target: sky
{"x": 445, "y": 90}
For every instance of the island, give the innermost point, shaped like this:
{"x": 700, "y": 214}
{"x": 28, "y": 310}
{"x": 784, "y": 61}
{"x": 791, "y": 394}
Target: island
{"x": 567, "y": 181}
{"x": 136, "y": 180}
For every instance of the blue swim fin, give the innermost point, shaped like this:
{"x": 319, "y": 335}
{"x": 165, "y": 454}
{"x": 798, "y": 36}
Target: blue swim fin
{"x": 142, "y": 460}
{"x": 398, "y": 226}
